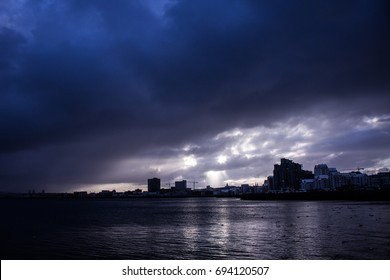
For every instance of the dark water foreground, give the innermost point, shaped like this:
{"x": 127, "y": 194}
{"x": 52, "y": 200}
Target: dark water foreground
{"x": 193, "y": 228}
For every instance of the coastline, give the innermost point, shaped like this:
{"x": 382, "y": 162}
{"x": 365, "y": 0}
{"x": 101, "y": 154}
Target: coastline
{"x": 353, "y": 195}
{"x": 359, "y": 195}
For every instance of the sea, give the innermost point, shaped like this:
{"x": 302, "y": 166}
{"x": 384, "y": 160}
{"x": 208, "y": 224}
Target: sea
{"x": 193, "y": 228}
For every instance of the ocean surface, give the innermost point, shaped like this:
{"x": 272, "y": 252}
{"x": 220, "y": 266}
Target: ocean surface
{"x": 193, "y": 228}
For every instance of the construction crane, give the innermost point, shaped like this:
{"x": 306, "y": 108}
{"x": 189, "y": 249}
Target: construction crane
{"x": 193, "y": 184}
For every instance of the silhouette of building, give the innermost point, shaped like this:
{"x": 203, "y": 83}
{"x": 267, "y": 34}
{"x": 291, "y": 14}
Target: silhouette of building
{"x": 307, "y": 184}
{"x": 80, "y": 194}
{"x": 154, "y": 185}
{"x": 269, "y": 183}
{"x": 288, "y": 175}
{"x": 181, "y": 185}
{"x": 334, "y": 178}
{"x": 246, "y": 188}
{"x": 354, "y": 179}
{"x": 306, "y": 174}
{"x": 321, "y": 177}
{"x": 382, "y": 180}
{"x": 321, "y": 169}
{"x": 105, "y": 193}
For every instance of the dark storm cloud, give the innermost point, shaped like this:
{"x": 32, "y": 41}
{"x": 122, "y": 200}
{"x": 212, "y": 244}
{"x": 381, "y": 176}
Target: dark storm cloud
{"x": 85, "y": 84}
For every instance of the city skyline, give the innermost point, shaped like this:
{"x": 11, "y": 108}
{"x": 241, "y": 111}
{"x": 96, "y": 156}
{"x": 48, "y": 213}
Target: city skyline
{"x": 96, "y": 95}
{"x": 321, "y": 177}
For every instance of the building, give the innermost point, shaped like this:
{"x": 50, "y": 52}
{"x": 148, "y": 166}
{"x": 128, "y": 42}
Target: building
{"x": 154, "y": 185}
{"x": 322, "y": 182}
{"x": 321, "y": 177}
{"x": 246, "y": 188}
{"x": 354, "y": 180}
{"x": 80, "y": 194}
{"x": 307, "y": 184}
{"x": 321, "y": 169}
{"x": 360, "y": 179}
{"x": 328, "y": 178}
{"x": 105, "y": 193}
{"x": 287, "y": 175}
{"x": 381, "y": 180}
{"x": 181, "y": 185}
{"x": 306, "y": 174}
{"x": 334, "y": 178}
{"x": 269, "y": 183}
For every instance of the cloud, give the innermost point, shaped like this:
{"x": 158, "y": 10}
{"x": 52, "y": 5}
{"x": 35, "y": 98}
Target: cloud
{"x": 93, "y": 92}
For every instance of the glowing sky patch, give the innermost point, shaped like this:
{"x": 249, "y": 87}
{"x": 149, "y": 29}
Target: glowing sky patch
{"x": 222, "y": 159}
{"x": 215, "y": 178}
{"x": 190, "y": 161}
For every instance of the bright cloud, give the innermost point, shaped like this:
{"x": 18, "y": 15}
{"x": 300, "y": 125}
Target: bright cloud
{"x": 190, "y": 161}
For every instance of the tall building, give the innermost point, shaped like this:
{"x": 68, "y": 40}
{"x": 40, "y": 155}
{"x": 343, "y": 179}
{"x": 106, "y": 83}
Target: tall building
{"x": 334, "y": 178}
{"x": 326, "y": 178}
{"x": 287, "y": 175}
{"x": 154, "y": 185}
{"x": 321, "y": 177}
{"x": 181, "y": 185}
{"x": 321, "y": 169}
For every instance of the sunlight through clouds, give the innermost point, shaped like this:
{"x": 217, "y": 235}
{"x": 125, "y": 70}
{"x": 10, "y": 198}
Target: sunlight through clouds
{"x": 281, "y": 140}
{"x": 222, "y": 159}
{"x": 215, "y": 178}
{"x": 244, "y": 155}
{"x": 190, "y": 161}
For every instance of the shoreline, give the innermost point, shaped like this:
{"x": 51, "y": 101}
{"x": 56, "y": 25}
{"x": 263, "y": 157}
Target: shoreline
{"x": 362, "y": 195}
{"x": 356, "y": 195}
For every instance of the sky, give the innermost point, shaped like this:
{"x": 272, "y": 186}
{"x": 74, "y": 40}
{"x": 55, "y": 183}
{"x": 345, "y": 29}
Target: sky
{"x": 106, "y": 94}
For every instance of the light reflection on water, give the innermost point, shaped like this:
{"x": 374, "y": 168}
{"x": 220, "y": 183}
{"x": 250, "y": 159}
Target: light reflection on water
{"x": 194, "y": 228}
